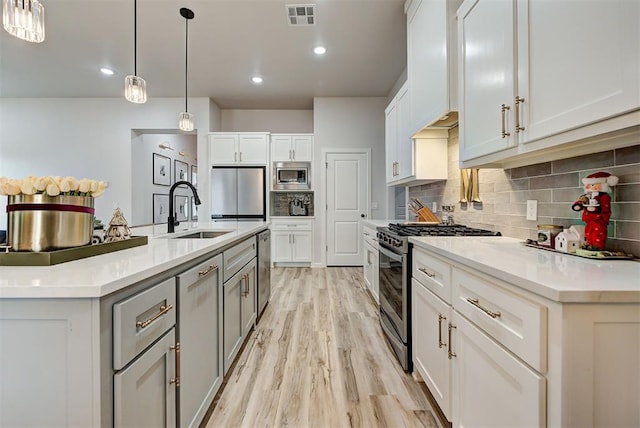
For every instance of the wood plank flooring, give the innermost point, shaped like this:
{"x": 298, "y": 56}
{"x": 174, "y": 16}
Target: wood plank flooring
{"x": 318, "y": 358}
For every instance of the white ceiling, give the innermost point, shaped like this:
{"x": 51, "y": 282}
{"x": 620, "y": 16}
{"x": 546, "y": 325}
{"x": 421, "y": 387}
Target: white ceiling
{"x": 229, "y": 41}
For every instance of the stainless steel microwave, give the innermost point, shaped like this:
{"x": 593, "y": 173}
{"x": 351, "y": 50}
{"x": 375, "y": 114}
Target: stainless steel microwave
{"x": 291, "y": 175}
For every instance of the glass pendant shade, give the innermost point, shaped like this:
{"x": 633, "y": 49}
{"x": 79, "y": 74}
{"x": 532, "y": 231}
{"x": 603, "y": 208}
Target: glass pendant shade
{"x": 185, "y": 121}
{"x": 24, "y": 19}
{"x": 135, "y": 89}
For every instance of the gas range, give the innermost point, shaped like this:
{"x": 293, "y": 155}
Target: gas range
{"x": 396, "y": 235}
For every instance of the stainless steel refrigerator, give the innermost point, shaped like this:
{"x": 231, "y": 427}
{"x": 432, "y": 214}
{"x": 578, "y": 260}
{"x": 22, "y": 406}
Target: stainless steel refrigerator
{"x": 238, "y": 193}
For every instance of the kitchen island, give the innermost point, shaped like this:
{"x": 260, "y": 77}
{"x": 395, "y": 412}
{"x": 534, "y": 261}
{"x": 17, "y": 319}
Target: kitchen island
{"x": 509, "y": 335}
{"x": 98, "y": 341}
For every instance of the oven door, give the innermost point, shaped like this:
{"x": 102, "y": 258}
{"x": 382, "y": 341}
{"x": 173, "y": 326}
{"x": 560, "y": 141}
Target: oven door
{"x": 393, "y": 289}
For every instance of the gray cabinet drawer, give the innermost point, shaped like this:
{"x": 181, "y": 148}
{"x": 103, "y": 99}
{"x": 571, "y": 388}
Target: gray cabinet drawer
{"x": 235, "y": 258}
{"x": 141, "y": 319}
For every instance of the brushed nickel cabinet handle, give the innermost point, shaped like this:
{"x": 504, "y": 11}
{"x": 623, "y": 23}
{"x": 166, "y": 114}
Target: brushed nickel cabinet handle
{"x": 519, "y": 100}
{"x": 208, "y": 270}
{"x": 426, "y": 272}
{"x": 293, "y": 152}
{"x": 240, "y": 156}
{"x": 235, "y": 156}
{"x": 163, "y": 310}
{"x": 476, "y": 303}
{"x": 176, "y": 380}
{"x": 503, "y": 114}
{"x": 450, "y": 353}
{"x": 441, "y": 344}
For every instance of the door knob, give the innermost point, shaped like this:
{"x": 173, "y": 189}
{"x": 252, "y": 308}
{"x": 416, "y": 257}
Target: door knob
{"x": 363, "y": 215}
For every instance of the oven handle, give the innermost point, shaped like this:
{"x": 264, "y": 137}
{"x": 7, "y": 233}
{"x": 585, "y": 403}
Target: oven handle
{"x": 393, "y": 256}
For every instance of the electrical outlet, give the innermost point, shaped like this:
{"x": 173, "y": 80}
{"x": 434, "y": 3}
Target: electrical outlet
{"x": 434, "y": 206}
{"x": 532, "y": 209}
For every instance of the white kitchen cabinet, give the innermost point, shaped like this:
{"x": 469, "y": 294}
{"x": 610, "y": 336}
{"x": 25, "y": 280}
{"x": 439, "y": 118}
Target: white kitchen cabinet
{"x": 249, "y": 298}
{"x": 431, "y": 60}
{"x": 291, "y": 147}
{"x": 200, "y": 335}
{"x": 529, "y": 94}
{"x": 292, "y": 241}
{"x": 238, "y": 149}
{"x": 145, "y": 391}
{"x": 371, "y": 261}
{"x": 412, "y": 160}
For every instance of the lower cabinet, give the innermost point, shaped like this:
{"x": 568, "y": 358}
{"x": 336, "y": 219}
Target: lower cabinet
{"x": 292, "y": 241}
{"x": 200, "y": 337}
{"x": 145, "y": 391}
{"x": 371, "y": 261}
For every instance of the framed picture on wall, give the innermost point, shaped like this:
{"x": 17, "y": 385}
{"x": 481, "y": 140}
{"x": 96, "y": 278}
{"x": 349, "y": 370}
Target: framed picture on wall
{"x": 194, "y": 175}
{"x": 161, "y": 170}
{"x": 182, "y": 207}
{"x": 160, "y": 208}
{"x": 180, "y": 171}
{"x": 194, "y": 209}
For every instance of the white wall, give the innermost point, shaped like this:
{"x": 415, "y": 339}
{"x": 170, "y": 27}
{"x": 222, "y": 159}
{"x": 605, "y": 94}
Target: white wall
{"x": 348, "y": 123}
{"x": 90, "y": 137}
{"x": 274, "y": 121}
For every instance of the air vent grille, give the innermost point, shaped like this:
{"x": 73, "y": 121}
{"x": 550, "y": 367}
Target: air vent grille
{"x": 301, "y": 14}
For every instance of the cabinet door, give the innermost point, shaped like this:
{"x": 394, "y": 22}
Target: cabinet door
{"x": 232, "y": 319}
{"x": 491, "y": 387}
{"x": 301, "y": 243}
{"x": 302, "y": 148}
{"x": 368, "y": 265}
{"x": 144, "y": 395}
{"x": 200, "y": 334}
{"x": 430, "y": 317}
{"x": 252, "y": 150}
{"x": 375, "y": 284}
{"x": 404, "y": 146}
{"x": 223, "y": 149}
{"x": 390, "y": 141}
{"x": 574, "y": 75}
{"x": 281, "y": 148}
{"x": 249, "y": 297}
{"x": 281, "y": 246}
{"x": 486, "y": 41}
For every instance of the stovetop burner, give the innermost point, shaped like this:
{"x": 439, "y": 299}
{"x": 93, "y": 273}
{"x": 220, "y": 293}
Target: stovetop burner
{"x": 439, "y": 230}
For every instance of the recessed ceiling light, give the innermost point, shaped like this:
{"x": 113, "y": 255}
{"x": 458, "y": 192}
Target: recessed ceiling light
{"x": 319, "y": 50}
{"x": 256, "y": 79}
{"x": 107, "y": 71}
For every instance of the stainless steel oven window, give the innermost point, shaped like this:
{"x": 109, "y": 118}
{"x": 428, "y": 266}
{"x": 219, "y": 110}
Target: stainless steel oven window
{"x": 393, "y": 288}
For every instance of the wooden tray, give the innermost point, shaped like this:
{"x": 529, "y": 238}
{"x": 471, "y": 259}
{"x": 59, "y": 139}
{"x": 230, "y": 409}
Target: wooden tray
{"x": 48, "y": 258}
{"x": 601, "y": 257}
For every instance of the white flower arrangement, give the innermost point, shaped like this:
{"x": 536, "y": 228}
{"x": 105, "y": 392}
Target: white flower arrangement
{"x": 51, "y": 186}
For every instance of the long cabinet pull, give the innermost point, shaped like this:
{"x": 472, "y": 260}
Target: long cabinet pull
{"x": 519, "y": 100}
{"x": 163, "y": 310}
{"x": 211, "y": 268}
{"x": 235, "y": 156}
{"x": 293, "y": 152}
{"x": 246, "y": 283}
{"x": 476, "y": 303}
{"x": 441, "y": 344}
{"x": 449, "y": 351}
{"x": 426, "y": 272}
{"x": 176, "y": 379}
{"x": 503, "y": 114}
{"x": 240, "y": 156}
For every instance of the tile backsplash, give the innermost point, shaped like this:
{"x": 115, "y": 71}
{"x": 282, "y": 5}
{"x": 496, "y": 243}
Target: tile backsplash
{"x": 281, "y": 202}
{"x": 555, "y": 185}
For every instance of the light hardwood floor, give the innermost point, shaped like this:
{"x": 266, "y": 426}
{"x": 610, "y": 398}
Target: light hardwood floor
{"x": 318, "y": 358}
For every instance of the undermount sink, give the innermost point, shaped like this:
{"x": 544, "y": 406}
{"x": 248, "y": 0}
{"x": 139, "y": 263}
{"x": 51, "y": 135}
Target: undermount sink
{"x": 202, "y": 235}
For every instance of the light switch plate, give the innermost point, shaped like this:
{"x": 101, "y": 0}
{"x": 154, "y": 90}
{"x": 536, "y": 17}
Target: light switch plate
{"x": 434, "y": 206}
{"x": 532, "y": 209}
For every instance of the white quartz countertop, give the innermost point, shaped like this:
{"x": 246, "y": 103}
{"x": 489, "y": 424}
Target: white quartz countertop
{"x": 101, "y": 275}
{"x": 380, "y": 223}
{"x": 556, "y": 276}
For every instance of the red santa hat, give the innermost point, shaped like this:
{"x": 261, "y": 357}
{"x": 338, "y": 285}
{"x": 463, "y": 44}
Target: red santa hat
{"x": 600, "y": 177}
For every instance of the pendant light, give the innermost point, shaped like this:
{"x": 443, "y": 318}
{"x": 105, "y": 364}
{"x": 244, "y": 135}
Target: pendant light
{"x": 185, "y": 119}
{"x": 24, "y": 19}
{"x": 135, "y": 88}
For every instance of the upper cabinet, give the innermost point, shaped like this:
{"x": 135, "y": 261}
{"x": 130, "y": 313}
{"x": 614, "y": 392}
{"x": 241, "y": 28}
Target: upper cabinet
{"x": 431, "y": 60}
{"x": 530, "y": 94}
{"x": 238, "y": 149}
{"x": 291, "y": 147}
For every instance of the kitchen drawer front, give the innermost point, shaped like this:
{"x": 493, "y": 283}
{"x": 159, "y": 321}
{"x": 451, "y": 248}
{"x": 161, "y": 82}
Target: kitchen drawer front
{"x": 293, "y": 224}
{"x": 141, "y": 319}
{"x": 369, "y": 236}
{"x": 433, "y": 273}
{"x": 517, "y": 323}
{"x": 236, "y": 257}
{"x": 205, "y": 269}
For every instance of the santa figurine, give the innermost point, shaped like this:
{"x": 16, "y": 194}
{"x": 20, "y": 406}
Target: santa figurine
{"x": 595, "y": 205}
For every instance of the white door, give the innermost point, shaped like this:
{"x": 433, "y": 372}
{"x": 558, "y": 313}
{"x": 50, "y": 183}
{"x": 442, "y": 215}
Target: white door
{"x": 347, "y": 204}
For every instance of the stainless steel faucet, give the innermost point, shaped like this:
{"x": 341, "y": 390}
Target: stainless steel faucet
{"x": 171, "y": 221}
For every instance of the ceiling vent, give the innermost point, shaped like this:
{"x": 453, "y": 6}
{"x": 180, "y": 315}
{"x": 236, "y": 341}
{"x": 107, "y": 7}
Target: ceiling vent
{"x": 301, "y": 14}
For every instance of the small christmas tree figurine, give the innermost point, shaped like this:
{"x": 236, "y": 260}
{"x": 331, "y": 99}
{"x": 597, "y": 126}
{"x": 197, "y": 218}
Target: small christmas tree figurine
{"x": 118, "y": 228}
